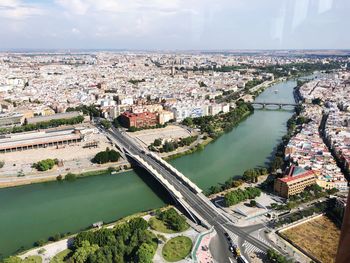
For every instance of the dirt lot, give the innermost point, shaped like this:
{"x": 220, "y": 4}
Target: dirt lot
{"x": 319, "y": 237}
{"x": 169, "y": 132}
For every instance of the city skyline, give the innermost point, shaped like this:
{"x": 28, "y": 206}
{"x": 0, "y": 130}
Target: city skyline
{"x": 173, "y": 25}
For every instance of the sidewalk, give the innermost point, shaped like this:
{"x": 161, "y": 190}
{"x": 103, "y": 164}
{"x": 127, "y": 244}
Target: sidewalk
{"x": 200, "y": 252}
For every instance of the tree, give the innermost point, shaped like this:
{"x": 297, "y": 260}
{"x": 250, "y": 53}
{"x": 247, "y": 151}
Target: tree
{"x": 12, "y": 259}
{"x": 106, "y": 124}
{"x": 239, "y": 195}
{"x": 173, "y": 220}
{"x": 214, "y": 189}
{"x": 250, "y": 175}
{"x": 187, "y": 121}
{"x": 55, "y": 237}
{"x": 277, "y": 163}
{"x": 116, "y": 123}
{"x": 39, "y": 243}
{"x": 157, "y": 142}
{"x": 275, "y": 257}
{"x": 59, "y": 178}
{"x": 106, "y": 156}
{"x": 252, "y": 203}
{"x": 316, "y": 101}
{"x": 70, "y": 177}
{"x": 202, "y": 84}
{"x": 263, "y": 171}
{"x": 138, "y": 223}
{"x": 168, "y": 147}
{"x": 145, "y": 253}
{"x": 45, "y": 165}
{"x": 83, "y": 252}
{"x": 113, "y": 156}
{"x": 43, "y": 125}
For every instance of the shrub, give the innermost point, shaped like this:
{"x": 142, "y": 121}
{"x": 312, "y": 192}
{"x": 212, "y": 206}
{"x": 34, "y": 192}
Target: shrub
{"x": 39, "y": 243}
{"x": 106, "y": 156}
{"x": 59, "y": 178}
{"x": 173, "y": 220}
{"x": 45, "y": 165}
{"x": 70, "y": 177}
{"x": 55, "y": 237}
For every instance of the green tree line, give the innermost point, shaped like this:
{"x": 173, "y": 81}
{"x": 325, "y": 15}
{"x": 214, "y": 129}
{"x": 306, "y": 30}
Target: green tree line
{"x": 239, "y": 195}
{"x": 126, "y": 242}
{"x": 214, "y": 126}
{"x": 42, "y": 125}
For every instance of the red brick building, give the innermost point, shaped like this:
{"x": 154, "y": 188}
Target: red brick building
{"x": 295, "y": 182}
{"x": 138, "y": 120}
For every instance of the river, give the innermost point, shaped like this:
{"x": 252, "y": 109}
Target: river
{"x": 33, "y": 212}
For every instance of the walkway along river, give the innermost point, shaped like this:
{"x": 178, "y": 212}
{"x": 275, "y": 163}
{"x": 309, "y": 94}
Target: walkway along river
{"x": 34, "y": 212}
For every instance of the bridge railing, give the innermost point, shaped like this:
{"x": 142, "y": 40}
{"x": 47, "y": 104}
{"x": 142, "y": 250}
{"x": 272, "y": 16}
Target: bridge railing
{"x": 160, "y": 178}
{"x": 182, "y": 177}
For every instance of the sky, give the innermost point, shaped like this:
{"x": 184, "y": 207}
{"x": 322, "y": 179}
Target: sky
{"x": 174, "y": 24}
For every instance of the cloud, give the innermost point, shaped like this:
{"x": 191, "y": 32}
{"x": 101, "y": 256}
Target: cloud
{"x": 75, "y": 30}
{"x": 16, "y": 9}
{"x": 78, "y": 7}
{"x": 173, "y": 24}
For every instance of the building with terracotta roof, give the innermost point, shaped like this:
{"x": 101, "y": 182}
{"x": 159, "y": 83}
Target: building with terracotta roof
{"x": 295, "y": 182}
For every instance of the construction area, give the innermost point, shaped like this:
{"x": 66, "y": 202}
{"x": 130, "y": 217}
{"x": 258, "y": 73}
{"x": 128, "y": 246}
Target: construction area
{"x": 318, "y": 237}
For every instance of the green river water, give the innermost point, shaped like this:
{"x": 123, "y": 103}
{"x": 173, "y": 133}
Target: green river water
{"x": 33, "y": 212}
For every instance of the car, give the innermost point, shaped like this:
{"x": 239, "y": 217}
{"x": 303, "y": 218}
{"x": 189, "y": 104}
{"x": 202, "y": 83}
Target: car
{"x": 226, "y": 234}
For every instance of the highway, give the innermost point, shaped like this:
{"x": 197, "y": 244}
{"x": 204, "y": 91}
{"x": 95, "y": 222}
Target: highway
{"x": 199, "y": 204}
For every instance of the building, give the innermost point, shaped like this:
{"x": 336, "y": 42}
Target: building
{"x": 138, "y": 120}
{"x": 340, "y": 205}
{"x": 39, "y": 139}
{"x": 146, "y": 108}
{"x": 295, "y": 182}
{"x": 165, "y": 116}
{"x": 215, "y": 109}
{"x": 11, "y": 119}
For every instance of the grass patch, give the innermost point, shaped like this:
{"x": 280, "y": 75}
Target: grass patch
{"x": 32, "y": 259}
{"x": 59, "y": 258}
{"x": 177, "y": 248}
{"x": 159, "y": 225}
{"x": 319, "y": 237}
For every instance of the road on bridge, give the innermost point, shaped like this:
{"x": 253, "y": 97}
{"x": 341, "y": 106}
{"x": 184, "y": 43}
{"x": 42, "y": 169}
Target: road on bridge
{"x": 199, "y": 204}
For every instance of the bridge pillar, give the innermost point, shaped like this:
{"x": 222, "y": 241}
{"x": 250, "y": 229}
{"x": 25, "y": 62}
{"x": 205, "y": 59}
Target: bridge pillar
{"x": 264, "y": 105}
{"x": 280, "y": 106}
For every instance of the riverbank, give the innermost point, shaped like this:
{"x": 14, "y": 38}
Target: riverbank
{"x": 123, "y": 166}
{"x": 51, "y": 248}
{"x": 50, "y": 176}
{"x": 257, "y": 90}
{"x": 249, "y": 144}
{"x": 198, "y": 147}
{"x": 105, "y": 169}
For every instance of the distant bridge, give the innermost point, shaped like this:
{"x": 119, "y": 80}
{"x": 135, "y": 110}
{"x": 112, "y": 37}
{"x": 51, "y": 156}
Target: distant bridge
{"x": 280, "y": 105}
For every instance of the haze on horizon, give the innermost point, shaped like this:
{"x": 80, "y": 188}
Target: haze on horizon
{"x": 174, "y": 24}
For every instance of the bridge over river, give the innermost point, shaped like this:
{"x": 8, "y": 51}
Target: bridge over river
{"x": 187, "y": 194}
{"x": 280, "y": 105}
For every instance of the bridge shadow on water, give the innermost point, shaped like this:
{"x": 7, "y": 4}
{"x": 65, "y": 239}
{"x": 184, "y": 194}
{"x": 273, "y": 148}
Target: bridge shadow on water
{"x": 156, "y": 187}
{"x": 152, "y": 183}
